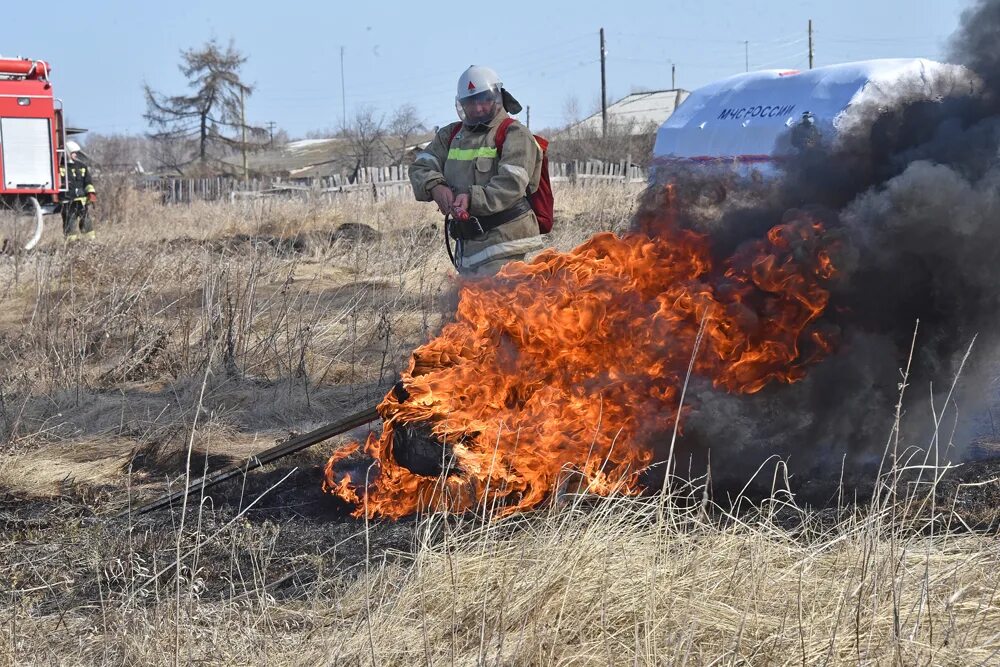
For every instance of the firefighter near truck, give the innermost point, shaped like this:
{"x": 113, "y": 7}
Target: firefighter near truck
{"x": 32, "y": 147}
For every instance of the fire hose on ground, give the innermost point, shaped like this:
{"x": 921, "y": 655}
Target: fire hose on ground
{"x": 280, "y": 450}
{"x": 36, "y": 210}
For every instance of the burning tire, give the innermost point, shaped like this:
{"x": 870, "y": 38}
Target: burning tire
{"x": 416, "y": 449}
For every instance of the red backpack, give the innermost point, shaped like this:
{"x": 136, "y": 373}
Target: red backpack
{"x": 541, "y": 199}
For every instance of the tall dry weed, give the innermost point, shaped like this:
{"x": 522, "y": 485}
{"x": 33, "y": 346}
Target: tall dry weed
{"x": 205, "y": 330}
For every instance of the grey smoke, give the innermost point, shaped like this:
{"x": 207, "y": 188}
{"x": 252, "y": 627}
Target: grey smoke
{"x": 915, "y": 191}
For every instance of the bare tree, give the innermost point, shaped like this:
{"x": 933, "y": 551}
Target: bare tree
{"x": 212, "y": 114}
{"x": 324, "y": 133}
{"x": 116, "y": 160}
{"x": 118, "y": 153}
{"x": 172, "y": 153}
{"x": 571, "y": 110}
{"x": 279, "y": 137}
{"x": 403, "y": 126}
{"x": 365, "y": 136}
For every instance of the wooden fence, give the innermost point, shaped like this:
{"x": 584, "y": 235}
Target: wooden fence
{"x": 377, "y": 183}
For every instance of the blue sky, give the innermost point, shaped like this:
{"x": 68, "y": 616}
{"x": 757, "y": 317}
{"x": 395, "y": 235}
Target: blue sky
{"x": 408, "y": 52}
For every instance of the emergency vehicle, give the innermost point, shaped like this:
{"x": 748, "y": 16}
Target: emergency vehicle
{"x": 747, "y": 122}
{"x": 32, "y": 141}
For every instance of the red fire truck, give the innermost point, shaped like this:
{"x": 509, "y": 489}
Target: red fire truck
{"x": 32, "y": 141}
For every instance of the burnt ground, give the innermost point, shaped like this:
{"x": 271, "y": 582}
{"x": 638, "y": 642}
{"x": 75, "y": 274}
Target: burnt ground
{"x": 301, "y": 533}
{"x": 973, "y": 491}
{"x": 299, "y": 536}
{"x": 293, "y": 533}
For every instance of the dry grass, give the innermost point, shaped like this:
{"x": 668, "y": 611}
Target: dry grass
{"x": 618, "y": 586}
{"x": 616, "y": 582}
{"x": 210, "y": 330}
{"x": 293, "y": 315}
{"x": 292, "y": 318}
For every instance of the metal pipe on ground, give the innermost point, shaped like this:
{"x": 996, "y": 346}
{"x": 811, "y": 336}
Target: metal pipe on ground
{"x": 281, "y": 450}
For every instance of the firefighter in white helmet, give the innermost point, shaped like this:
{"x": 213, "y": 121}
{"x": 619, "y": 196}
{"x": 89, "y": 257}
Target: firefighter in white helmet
{"x": 462, "y": 171}
{"x": 79, "y": 196}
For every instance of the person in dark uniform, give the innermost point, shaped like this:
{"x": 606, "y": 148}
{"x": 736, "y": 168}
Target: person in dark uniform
{"x": 79, "y": 196}
{"x": 805, "y": 134}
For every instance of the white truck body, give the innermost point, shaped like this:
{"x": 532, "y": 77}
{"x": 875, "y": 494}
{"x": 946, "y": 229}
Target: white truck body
{"x": 745, "y": 121}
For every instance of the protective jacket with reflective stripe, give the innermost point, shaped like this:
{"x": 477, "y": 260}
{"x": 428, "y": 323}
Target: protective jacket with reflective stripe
{"x": 79, "y": 183}
{"x": 470, "y": 164}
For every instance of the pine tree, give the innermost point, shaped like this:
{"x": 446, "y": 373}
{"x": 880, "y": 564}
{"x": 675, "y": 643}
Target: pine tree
{"x": 203, "y": 124}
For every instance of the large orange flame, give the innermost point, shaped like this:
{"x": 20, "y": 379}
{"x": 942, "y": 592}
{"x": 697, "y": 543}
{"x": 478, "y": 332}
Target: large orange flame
{"x": 558, "y": 370}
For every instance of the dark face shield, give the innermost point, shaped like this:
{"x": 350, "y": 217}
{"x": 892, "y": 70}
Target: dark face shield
{"x": 479, "y": 108}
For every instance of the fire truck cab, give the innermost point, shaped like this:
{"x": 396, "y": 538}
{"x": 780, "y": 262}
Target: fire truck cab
{"x": 32, "y": 141}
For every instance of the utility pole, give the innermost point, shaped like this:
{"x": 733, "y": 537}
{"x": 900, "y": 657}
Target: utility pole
{"x": 604, "y": 92}
{"x": 243, "y": 126}
{"x": 528, "y": 117}
{"x": 270, "y": 129}
{"x": 810, "y": 43}
{"x": 343, "y": 94}
{"x": 746, "y": 55}
{"x": 673, "y": 77}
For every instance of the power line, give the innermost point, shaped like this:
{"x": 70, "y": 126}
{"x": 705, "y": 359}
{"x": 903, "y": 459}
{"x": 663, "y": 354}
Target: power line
{"x": 522, "y": 61}
{"x": 700, "y": 40}
{"x": 866, "y": 40}
{"x": 433, "y": 84}
{"x": 758, "y": 48}
{"x": 421, "y": 92}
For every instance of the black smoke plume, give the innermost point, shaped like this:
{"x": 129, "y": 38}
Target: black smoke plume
{"x": 913, "y": 187}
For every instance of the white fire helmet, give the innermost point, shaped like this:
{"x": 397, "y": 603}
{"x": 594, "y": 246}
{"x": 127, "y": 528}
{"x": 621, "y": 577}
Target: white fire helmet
{"x": 478, "y": 98}
{"x": 72, "y": 147}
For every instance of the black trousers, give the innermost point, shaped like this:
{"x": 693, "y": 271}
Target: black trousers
{"x": 76, "y": 214}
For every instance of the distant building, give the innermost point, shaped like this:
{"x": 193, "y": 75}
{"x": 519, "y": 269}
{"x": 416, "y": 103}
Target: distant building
{"x": 638, "y": 113}
{"x": 307, "y": 159}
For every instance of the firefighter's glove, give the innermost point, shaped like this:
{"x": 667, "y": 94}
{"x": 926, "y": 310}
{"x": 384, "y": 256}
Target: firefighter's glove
{"x": 443, "y": 197}
{"x": 91, "y": 197}
{"x": 460, "y": 207}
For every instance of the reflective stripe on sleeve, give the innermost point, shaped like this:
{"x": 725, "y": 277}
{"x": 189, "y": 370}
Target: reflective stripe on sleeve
{"x": 519, "y": 173}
